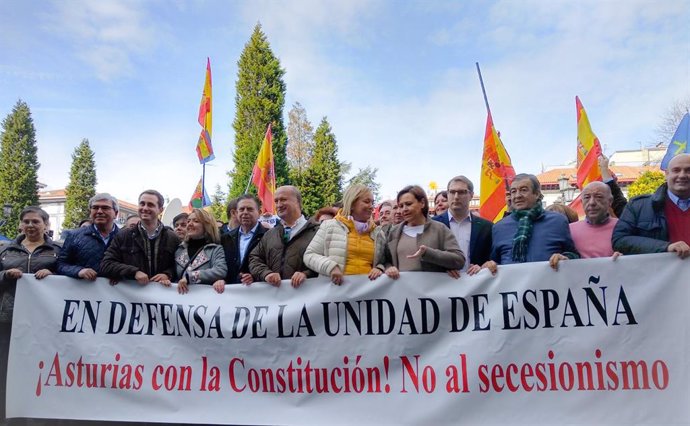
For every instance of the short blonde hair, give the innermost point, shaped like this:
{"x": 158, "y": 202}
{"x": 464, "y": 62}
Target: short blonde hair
{"x": 209, "y": 224}
{"x": 352, "y": 193}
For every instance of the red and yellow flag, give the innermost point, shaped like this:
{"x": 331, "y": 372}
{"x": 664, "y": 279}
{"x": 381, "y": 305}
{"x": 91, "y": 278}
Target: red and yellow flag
{"x": 199, "y": 197}
{"x": 263, "y": 175}
{"x": 588, "y": 149}
{"x": 497, "y": 174}
{"x": 204, "y": 149}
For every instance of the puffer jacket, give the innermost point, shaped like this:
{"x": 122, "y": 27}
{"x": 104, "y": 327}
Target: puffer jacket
{"x": 207, "y": 267}
{"x": 642, "y": 228}
{"x": 14, "y": 255}
{"x": 272, "y": 254}
{"x": 83, "y": 248}
{"x": 328, "y": 248}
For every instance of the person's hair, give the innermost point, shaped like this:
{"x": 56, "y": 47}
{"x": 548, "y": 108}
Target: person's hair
{"x": 463, "y": 179}
{"x": 83, "y": 221}
{"x": 441, "y": 193}
{"x": 388, "y": 203}
{"x": 331, "y": 211}
{"x": 536, "y": 186}
{"x": 35, "y": 209}
{"x": 133, "y": 215}
{"x": 419, "y": 194}
{"x": 566, "y": 211}
{"x": 352, "y": 193}
{"x": 248, "y": 197}
{"x": 155, "y": 193}
{"x": 179, "y": 217}
{"x": 209, "y": 224}
{"x": 232, "y": 205}
{"x": 105, "y": 196}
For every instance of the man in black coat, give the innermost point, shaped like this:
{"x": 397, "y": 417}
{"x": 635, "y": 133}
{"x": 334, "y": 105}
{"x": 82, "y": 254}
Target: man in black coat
{"x": 239, "y": 242}
{"x": 473, "y": 233}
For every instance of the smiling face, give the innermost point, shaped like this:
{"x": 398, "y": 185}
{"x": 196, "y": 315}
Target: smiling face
{"x": 523, "y": 195}
{"x": 678, "y": 176}
{"x": 385, "y": 214}
{"x": 363, "y": 207}
{"x": 287, "y": 204}
{"x": 103, "y": 214}
{"x": 149, "y": 210}
{"x": 441, "y": 204}
{"x": 397, "y": 214}
{"x": 32, "y": 226}
{"x": 195, "y": 228}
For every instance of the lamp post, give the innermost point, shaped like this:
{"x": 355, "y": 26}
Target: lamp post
{"x": 6, "y": 212}
{"x": 567, "y": 191}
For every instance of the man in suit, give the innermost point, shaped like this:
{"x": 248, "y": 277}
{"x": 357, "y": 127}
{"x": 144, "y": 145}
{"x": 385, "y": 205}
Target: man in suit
{"x": 240, "y": 241}
{"x": 473, "y": 233}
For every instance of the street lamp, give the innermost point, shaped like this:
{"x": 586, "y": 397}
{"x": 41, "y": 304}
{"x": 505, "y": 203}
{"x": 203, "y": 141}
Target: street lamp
{"x": 567, "y": 191}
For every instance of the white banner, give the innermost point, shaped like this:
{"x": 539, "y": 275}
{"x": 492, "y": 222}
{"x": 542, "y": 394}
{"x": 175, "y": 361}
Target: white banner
{"x": 596, "y": 342}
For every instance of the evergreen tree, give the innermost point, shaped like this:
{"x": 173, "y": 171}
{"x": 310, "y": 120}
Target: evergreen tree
{"x": 259, "y": 100}
{"x": 300, "y": 143}
{"x": 322, "y": 184}
{"x": 18, "y": 165}
{"x": 647, "y": 183}
{"x": 367, "y": 176}
{"x": 218, "y": 205}
{"x": 82, "y": 185}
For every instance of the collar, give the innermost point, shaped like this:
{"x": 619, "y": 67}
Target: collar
{"x": 112, "y": 231}
{"x": 452, "y": 219}
{"x": 251, "y": 231}
{"x": 674, "y": 198}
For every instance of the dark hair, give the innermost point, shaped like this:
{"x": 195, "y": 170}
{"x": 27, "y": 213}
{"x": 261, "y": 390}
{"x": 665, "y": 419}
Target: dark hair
{"x": 419, "y": 194}
{"x": 232, "y": 205}
{"x": 157, "y": 194}
{"x": 463, "y": 179}
{"x": 248, "y": 197}
{"x": 179, "y": 217}
{"x": 84, "y": 221}
{"x": 331, "y": 211}
{"x": 566, "y": 211}
{"x": 444, "y": 193}
{"x": 34, "y": 209}
{"x": 536, "y": 185}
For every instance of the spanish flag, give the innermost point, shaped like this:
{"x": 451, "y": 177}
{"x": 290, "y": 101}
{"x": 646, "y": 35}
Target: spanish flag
{"x": 497, "y": 174}
{"x": 204, "y": 149}
{"x": 200, "y": 198}
{"x": 263, "y": 175}
{"x": 588, "y": 149}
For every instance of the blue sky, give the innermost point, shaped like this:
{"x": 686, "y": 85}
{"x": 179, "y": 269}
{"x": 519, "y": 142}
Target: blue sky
{"x": 396, "y": 79}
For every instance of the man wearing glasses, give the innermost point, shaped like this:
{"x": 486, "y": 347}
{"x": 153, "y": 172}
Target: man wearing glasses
{"x": 83, "y": 249}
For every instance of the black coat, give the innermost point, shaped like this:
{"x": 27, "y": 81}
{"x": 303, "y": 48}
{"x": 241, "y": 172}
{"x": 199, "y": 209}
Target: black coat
{"x": 231, "y": 247}
{"x": 642, "y": 228}
{"x": 480, "y": 238}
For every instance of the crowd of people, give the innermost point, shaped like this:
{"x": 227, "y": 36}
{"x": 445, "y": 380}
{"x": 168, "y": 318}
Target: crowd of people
{"x": 346, "y": 239}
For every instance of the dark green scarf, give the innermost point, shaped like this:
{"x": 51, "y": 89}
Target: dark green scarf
{"x": 523, "y": 235}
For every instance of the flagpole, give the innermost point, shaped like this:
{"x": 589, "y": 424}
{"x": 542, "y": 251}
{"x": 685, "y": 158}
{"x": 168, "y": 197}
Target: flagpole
{"x": 481, "y": 81}
{"x": 203, "y": 182}
{"x": 250, "y": 181}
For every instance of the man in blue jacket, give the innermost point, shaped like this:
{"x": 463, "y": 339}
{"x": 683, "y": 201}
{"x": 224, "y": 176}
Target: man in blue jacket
{"x": 473, "y": 233}
{"x": 83, "y": 249}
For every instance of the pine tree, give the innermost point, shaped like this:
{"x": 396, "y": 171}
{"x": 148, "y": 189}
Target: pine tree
{"x": 218, "y": 205}
{"x": 18, "y": 165}
{"x": 81, "y": 186}
{"x": 259, "y": 100}
{"x": 322, "y": 185}
{"x": 300, "y": 143}
{"x": 367, "y": 176}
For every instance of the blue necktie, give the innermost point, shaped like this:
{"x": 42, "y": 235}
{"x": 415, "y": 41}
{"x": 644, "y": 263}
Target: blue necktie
{"x": 684, "y": 204}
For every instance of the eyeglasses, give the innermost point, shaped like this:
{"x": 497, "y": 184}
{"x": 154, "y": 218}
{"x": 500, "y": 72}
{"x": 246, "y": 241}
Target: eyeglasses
{"x": 104, "y": 208}
{"x": 461, "y": 192}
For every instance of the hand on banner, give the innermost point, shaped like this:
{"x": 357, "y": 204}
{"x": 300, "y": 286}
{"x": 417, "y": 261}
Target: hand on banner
{"x": 375, "y": 273}
{"x": 141, "y": 278}
{"x": 13, "y": 273}
{"x": 42, "y": 273}
{"x": 246, "y": 279}
{"x": 336, "y": 275}
{"x": 113, "y": 281}
{"x": 491, "y": 266}
{"x": 616, "y": 255}
{"x": 162, "y": 279}
{"x": 554, "y": 259}
{"x": 219, "y": 286}
{"x": 273, "y": 278}
{"x": 453, "y": 273}
{"x": 392, "y": 272}
{"x": 681, "y": 248}
{"x": 419, "y": 253}
{"x": 473, "y": 269}
{"x": 182, "y": 286}
{"x": 298, "y": 278}
{"x": 88, "y": 274}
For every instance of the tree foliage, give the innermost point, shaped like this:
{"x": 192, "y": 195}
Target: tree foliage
{"x": 647, "y": 183}
{"x": 323, "y": 182}
{"x": 259, "y": 100}
{"x": 300, "y": 143}
{"x": 671, "y": 119}
{"x": 81, "y": 186}
{"x": 367, "y": 176}
{"x": 18, "y": 165}
{"x": 218, "y": 205}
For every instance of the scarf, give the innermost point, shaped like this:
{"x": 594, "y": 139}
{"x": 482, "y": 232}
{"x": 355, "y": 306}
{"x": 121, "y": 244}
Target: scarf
{"x": 523, "y": 234}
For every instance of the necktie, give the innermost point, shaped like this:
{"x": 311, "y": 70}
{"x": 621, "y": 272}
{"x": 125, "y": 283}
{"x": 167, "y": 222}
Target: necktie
{"x": 286, "y": 234}
{"x": 684, "y": 204}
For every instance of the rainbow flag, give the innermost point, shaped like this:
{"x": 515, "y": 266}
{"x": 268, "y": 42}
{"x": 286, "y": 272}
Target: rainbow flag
{"x": 199, "y": 199}
{"x": 204, "y": 149}
{"x": 263, "y": 175}
{"x": 588, "y": 149}
{"x": 497, "y": 174}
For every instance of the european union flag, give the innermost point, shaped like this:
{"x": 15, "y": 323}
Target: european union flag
{"x": 679, "y": 143}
